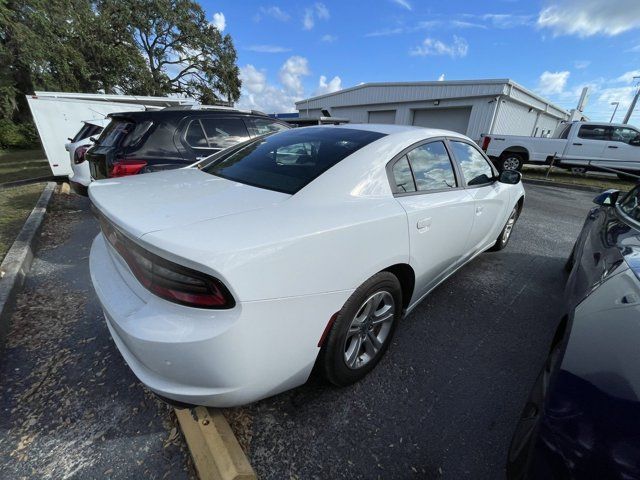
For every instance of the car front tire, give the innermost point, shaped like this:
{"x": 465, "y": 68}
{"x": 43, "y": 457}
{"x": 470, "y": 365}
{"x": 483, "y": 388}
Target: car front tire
{"x": 505, "y": 234}
{"x": 362, "y": 330}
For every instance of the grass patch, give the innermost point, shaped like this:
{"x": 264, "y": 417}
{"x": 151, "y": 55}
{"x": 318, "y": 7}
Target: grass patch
{"x": 590, "y": 179}
{"x": 15, "y": 206}
{"x": 22, "y": 164}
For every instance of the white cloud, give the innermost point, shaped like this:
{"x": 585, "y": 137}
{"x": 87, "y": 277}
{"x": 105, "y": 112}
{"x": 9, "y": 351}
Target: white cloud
{"x": 333, "y": 85}
{"x": 441, "y": 77}
{"x": 430, "y": 46}
{"x": 219, "y": 21}
{"x": 268, "y": 49}
{"x": 580, "y": 64}
{"x": 291, "y": 74}
{"x": 328, "y": 38}
{"x": 553, "y": 82}
{"x": 627, "y": 77}
{"x": 322, "y": 11}
{"x": 274, "y": 12}
{"x": 585, "y": 18}
{"x": 403, "y": 4}
{"x": 317, "y": 11}
{"x": 507, "y": 20}
{"x": 465, "y": 24}
{"x": 253, "y": 80}
{"x": 385, "y": 32}
{"x": 258, "y": 94}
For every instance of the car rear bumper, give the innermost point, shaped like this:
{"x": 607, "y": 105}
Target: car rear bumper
{"x": 210, "y": 357}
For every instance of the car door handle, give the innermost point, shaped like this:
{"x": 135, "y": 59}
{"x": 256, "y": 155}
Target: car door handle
{"x": 479, "y": 210}
{"x": 612, "y": 146}
{"x": 578, "y": 144}
{"x": 424, "y": 224}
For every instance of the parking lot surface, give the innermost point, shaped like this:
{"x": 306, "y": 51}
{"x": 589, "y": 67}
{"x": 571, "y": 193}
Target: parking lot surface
{"x": 441, "y": 404}
{"x": 444, "y": 401}
{"x": 71, "y": 408}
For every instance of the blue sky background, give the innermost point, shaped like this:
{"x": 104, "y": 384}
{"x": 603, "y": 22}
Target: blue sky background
{"x": 291, "y": 50}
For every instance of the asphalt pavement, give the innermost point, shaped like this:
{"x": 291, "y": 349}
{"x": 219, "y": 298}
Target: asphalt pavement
{"x": 441, "y": 404}
{"x": 444, "y": 401}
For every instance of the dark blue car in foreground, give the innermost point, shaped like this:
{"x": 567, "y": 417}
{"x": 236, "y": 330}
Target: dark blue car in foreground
{"x": 582, "y": 419}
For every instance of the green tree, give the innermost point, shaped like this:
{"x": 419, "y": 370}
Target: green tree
{"x": 185, "y": 54}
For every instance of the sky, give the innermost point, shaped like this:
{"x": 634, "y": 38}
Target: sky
{"x": 291, "y": 50}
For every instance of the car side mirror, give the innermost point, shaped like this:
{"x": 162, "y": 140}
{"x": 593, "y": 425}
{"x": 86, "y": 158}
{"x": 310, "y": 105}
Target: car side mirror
{"x": 607, "y": 198}
{"x": 635, "y": 141}
{"x": 510, "y": 177}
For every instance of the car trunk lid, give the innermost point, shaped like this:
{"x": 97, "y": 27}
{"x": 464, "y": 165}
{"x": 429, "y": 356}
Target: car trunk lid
{"x": 151, "y": 202}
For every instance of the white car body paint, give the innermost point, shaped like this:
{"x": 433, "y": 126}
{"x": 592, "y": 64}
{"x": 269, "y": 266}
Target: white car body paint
{"x": 80, "y": 172}
{"x": 289, "y": 261}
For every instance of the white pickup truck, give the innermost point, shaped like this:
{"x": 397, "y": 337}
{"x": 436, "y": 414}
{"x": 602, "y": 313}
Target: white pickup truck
{"x": 584, "y": 145}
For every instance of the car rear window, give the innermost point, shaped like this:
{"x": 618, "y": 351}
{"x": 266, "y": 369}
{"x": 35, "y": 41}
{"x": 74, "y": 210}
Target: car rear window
{"x": 124, "y": 133}
{"x": 289, "y": 160}
{"x": 87, "y": 130}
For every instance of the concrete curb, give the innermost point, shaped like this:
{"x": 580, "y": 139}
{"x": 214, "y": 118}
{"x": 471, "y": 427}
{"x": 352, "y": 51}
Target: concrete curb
{"x": 548, "y": 183}
{"x": 17, "y": 262}
{"x": 28, "y": 181}
{"x": 214, "y": 448}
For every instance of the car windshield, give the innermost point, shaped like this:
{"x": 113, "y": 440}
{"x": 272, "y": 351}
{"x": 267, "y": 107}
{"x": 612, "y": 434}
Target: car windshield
{"x": 287, "y": 161}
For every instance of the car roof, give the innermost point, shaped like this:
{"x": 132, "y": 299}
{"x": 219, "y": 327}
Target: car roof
{"x": 171, "y": 113}
{"x": 392, "y": 129}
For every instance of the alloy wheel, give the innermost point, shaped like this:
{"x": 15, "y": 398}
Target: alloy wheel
{"x": 369, "y": 329}
{"x": 511, "y": 163}
{"x": 509, "y": 226}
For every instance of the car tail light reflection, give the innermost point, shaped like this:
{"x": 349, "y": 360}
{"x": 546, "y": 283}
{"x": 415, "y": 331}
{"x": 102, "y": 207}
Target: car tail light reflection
{"x": 166, "y": 279}
{"x": 122, "y": 168}
{"x": 485, "y": 143}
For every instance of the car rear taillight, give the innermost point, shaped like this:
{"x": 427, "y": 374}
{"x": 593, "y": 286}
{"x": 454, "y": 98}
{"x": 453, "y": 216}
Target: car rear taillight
{"x": 485, "y": 143}
{"x": 166, "y": 279}
{"x": 123, "y": 168}
{"x": 78, "y": 155}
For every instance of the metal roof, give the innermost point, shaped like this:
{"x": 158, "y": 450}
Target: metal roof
{"x": 496, "y": 86}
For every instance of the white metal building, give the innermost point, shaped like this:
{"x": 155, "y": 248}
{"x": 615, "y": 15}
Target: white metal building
{"x": 471, "y": 107}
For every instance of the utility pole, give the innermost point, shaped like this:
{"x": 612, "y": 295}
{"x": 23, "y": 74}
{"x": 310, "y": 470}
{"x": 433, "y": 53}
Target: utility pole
{"x": 633, "y": 103}
{"x": 614, "y": 110}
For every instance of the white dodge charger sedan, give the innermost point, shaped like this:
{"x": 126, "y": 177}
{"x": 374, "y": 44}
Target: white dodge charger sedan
{"x": 226, "y": 282}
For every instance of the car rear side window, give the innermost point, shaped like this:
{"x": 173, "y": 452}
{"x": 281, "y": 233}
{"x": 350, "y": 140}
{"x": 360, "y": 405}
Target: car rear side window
{"x": 403, "y": 176}
{"x": 288, "y": 161}
{"x": 224, "y": 132}
{"x": 195, "y": 136}
{"x": 432, "y": 167}
{"x": 475, "y": 168}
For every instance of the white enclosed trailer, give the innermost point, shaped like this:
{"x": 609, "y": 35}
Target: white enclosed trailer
{"x": 59, "y": 115}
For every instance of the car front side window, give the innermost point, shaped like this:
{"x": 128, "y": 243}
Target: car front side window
{"x": 475, "y": 168}
{"x": 623, "y": 134}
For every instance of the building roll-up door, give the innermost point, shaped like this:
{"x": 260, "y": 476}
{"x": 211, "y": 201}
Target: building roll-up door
{"x": 382, "y": 116}
{"x": 456, "y": 119}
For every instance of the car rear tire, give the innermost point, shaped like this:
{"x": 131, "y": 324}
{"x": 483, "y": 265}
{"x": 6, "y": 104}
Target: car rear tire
{"x": 505, "y": 234}
{"x": 362, "y": 330}
{"x": 511, "y": 161}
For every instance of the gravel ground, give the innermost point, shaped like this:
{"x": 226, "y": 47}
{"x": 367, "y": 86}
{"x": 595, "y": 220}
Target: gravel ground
{"x": 442, "y": 403}
{"x": 71, "y": 407}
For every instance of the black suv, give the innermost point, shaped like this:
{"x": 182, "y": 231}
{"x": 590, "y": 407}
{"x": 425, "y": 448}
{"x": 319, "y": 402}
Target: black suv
{"x": 140, "y": 142}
